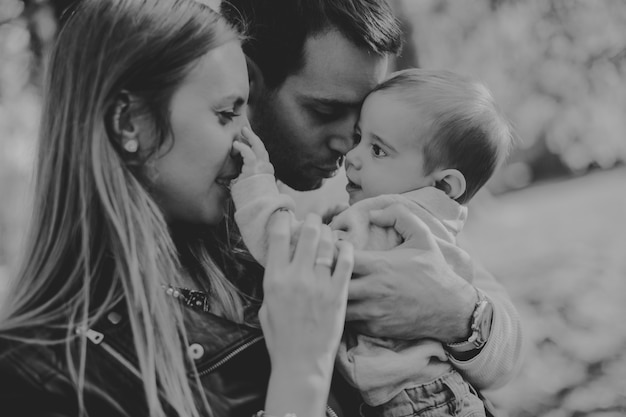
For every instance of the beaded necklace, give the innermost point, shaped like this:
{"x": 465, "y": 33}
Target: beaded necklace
{"x": 194, "y": 299}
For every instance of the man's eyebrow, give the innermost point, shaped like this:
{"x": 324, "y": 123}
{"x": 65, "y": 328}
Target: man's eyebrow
{"x": 381, "y": 140}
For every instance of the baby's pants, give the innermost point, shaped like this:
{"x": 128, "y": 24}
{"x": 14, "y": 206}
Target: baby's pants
{"x": 448, "y": 395}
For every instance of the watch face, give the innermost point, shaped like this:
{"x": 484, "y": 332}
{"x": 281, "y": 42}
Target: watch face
{"x": 481, "y": 327}
{"x": 484, "y": 321}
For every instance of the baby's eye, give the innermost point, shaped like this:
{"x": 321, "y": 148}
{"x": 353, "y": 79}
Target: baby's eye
{"x": 356, "y": 137}
{"x": 378, "y": 152}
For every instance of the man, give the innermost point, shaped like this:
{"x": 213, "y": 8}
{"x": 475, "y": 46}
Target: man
{"x": 311, "y": 63}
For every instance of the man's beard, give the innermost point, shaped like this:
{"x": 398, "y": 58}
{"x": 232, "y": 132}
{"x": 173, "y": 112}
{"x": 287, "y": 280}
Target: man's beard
{"x": 294, "y": 178}
{"x": 284, "y": 156}
{"x": 287, "y": 167}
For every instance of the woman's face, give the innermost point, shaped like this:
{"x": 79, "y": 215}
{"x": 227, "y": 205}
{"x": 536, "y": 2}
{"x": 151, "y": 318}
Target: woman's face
{"x": 191, "y": 178}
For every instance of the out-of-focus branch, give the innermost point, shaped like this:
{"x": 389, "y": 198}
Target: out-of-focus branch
{"x": 408, "y": 58}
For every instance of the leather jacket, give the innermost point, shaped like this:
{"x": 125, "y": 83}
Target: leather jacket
{"x": 231, "y": 359}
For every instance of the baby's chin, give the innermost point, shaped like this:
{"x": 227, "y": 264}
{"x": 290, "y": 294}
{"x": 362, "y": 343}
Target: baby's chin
{"x": 355, "y": 197}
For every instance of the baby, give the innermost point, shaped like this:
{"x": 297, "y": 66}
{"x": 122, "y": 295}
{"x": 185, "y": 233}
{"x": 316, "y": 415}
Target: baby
{"x": 429, "y": 140}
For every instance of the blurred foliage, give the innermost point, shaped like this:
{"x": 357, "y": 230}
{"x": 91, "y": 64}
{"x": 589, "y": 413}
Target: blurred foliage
{"x": 559, "y": 249}
{"x": 558, "y": 68}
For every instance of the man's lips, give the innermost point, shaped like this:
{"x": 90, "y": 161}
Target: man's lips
{"x": 330, "y": 168}
{"x": 326, "y": 171}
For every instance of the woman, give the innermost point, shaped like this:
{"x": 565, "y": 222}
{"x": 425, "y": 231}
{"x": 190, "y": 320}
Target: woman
{"x": 134, "y": 298}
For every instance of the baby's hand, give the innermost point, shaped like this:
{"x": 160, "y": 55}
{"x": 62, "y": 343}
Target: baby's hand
{"x": 331, "y": 212}
{"x": 255, "y": 157}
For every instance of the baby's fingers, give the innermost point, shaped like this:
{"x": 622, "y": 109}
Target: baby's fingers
{"x": 255, "y": 143}
{"x": 245, "y": 151}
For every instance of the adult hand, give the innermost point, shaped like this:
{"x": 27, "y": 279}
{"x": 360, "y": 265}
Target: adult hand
{"x": 409, "y": 292}
{"x": 303, "y": 313}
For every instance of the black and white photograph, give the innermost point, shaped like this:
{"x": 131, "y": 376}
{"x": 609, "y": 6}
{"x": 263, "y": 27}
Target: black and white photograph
{"x": 312, "y": 208}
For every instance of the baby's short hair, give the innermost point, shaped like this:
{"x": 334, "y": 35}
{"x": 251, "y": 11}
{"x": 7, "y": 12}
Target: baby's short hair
{"x": 468, "y": 131}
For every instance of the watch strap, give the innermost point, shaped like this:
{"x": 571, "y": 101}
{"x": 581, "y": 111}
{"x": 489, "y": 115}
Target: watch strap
{"x": 479, "y": 332}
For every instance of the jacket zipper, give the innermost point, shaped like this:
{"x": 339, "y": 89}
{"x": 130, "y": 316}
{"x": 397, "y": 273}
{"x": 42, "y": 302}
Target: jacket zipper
{"x": 230, "y": 356}
{"x": 330, "y": 412}
{"x": 97, "y": 338}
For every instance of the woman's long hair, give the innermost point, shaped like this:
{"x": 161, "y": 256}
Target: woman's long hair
{"x": 97, "y": 237}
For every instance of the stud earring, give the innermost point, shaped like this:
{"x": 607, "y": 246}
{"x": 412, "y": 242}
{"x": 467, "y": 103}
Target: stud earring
{"x": 131, "y": 146}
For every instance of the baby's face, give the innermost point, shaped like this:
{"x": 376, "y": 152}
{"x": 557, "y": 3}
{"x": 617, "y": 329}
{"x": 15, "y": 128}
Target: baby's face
{"x": 387, "y": 158}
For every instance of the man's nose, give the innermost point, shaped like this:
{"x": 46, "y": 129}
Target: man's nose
{"x": 342, "y": 139}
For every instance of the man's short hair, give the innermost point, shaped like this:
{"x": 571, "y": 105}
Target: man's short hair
{"x": 277, "y": 29}
{"x": 467, "y": 130}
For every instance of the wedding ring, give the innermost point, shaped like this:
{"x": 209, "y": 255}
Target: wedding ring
{"x": 324, "y": 261}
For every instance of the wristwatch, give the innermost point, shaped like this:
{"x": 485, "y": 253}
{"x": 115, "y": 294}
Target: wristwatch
{"x": 480, "y": 327}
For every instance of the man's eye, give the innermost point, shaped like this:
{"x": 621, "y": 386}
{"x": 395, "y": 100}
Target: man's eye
{"x": 378, "y": 152}
{"x": 326, "y": 114}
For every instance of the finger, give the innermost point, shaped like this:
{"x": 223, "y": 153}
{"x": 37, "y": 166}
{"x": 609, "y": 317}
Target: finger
{"x": 279, "y": 234}
{"x": 413, "y": 230}
{"x": 358, "y": 312}
{"x": 306, "y": 248}
{"x": 325, "y": 249}
{"x": 245, "y": 151}
{"x": 255, "y": 143}
{"x": 331, "y": 212}
{"x": 359, "y": 289}
{"x": 365, "y": 262}
{"x": 343, "y": 268}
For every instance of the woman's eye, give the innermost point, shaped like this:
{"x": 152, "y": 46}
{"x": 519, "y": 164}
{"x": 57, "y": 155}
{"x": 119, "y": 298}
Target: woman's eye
{"x": 377, "y": 151}
{"x": 226, "y": 116}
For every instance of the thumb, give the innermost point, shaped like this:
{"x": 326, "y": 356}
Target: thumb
{"x": 413, "y": 230}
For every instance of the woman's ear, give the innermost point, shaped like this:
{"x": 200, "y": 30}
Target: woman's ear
{"x": 451, "y": 182}
{"x": 257, "y": 83}
{"x": 122, "y": 124}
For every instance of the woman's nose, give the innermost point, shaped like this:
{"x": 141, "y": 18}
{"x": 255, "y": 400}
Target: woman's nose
{"x": 244, "y": 121}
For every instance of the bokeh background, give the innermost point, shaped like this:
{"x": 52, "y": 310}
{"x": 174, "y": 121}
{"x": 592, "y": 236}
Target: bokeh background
{"x": 550, "y": 225}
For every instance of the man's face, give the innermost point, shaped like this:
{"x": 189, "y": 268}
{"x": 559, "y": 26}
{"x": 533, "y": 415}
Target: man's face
{"x": 307, "y": 122}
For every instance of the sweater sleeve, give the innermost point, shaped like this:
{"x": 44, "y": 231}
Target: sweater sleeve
{"x": 256, "y": 199}
{"x": 501, "y": 357}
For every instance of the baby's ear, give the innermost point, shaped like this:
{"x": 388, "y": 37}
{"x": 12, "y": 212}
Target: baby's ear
{"x": 451, "y": 182}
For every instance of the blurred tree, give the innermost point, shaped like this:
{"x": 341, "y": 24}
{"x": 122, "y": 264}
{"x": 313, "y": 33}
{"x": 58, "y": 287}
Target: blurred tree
{"x": 409, "y": 56}
{"x": 558, "y": 68}
{"x": 42, "y": 17}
